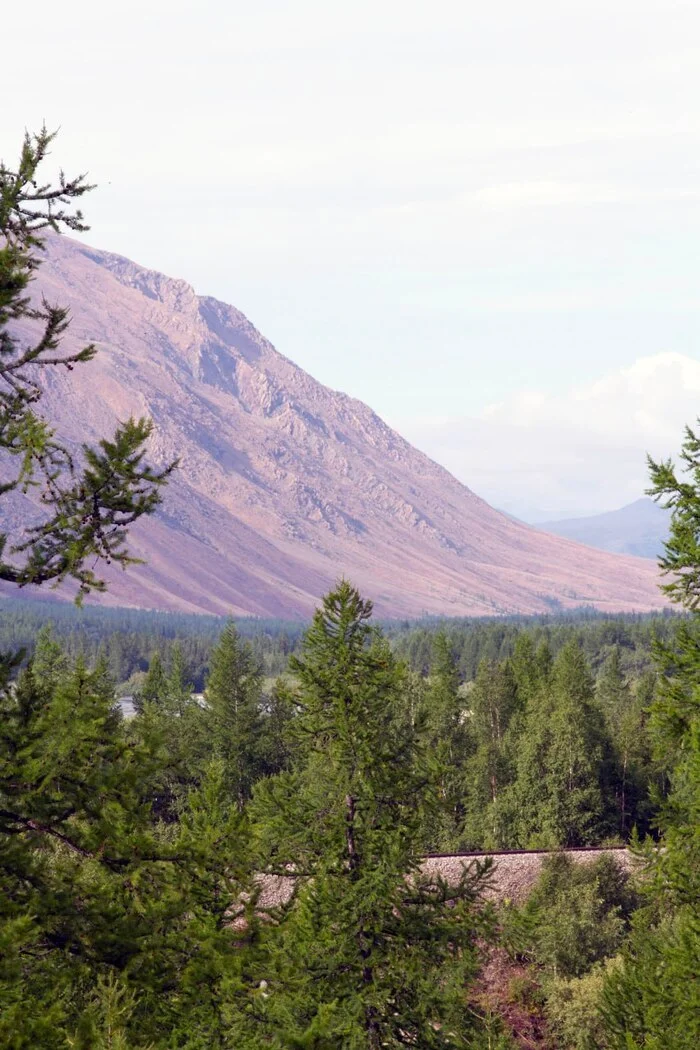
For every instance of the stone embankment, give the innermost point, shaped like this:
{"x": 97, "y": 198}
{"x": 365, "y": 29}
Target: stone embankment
{"x": 511, "y": 877}
{"x": 514, "y": 873}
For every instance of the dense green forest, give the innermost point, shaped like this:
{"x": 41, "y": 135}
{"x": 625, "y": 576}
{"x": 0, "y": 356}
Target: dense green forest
{"x": 128, "y": 638}
{"x": 359, "y": 758}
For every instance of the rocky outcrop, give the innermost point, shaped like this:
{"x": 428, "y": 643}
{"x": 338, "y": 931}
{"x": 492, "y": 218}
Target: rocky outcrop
{"x": 283, "y": 484}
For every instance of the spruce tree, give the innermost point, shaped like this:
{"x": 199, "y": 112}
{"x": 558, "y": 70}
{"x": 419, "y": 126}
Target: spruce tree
{"x": 234, "y": 715}
{"x": 558, "y": 791}
{"x": 276, "y": 743}
{"x": 447, "y": 740}
{"x": 179, "y": 689}
{"x": 628, "y": 765}
{"x": 95, "y": 893}
{"x": 154, "y": 689}
{"x": 494, "y": 703}
{"x": 654, "y": 1001}
{"x": 174, "y": 727}
{"x": 48, "y": 661}
{"x": 369, "y": 954}
{"x": 531, "y": 666}
{"x": 88, "y": 501}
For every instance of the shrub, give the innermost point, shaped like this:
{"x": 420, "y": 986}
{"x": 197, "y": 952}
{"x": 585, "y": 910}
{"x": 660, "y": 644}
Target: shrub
{"x": 577, "y": 915}
{"x": 573, "y": 1008}
{"x": 527, "y": 992}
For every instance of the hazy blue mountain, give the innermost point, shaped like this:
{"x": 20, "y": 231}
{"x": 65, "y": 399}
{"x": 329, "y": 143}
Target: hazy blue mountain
{"x": 638, "y": 528}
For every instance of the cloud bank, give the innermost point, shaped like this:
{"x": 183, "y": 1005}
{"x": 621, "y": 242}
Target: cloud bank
{"x": 539, "y": 455}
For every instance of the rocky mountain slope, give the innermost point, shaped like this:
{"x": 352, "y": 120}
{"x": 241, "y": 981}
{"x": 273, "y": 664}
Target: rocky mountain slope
{"x": 283, "y": 484}
{"x": 639, "y": 528}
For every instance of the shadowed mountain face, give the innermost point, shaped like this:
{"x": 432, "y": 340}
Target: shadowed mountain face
{"x": 283, "y": 484}
{"x": 640, "y": 528}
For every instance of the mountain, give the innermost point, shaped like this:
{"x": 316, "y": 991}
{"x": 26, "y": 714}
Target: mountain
{"x": 639, "y": 528}
{"x": 283, "y": 484}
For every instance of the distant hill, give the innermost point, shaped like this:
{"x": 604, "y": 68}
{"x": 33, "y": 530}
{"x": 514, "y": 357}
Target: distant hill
{"x": 283, "y": 484}
{"x": 639, "y": 528}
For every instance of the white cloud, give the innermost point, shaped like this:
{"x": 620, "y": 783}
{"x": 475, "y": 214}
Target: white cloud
{"x": 539, "y": 454}
{"x": 418, "y": 203}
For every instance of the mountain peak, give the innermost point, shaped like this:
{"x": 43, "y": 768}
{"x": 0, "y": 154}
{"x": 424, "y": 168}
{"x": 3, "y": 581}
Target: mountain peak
{"x": 284, "y": 484}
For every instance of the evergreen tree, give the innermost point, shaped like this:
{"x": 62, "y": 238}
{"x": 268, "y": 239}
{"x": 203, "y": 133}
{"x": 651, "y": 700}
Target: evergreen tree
{"x": 96, "y": 897}
{"x": 89, "y": 503}
{"x": 494, "y": 703}
{"x": 369, "y": 954}
{"x": 558, "y": 791}
{"x": 654, "y": 1001}
{"x": 154, "y": 689}
{"x": 179, "y": 689}
{"x": 577, "y": 914}
{"x": 48, "y": 661}
{"x": 173, "y": 726}
{"x": 234, "y": 700}
{"x": 627, "y": 778}
{"x": 276, "y": 743}
{"x": 446, "y": 737}
{"x": 531, "y": 666}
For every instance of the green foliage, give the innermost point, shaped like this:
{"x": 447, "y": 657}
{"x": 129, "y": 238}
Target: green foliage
{"x": 558, "y": 793}
{"x": 154, "y": 686}
{"x": 495, "y": 640}
{"x": 234, "y": 713}
{"x": 369, "y": 954}
{"x": 576, "y": 915}
{"x": 112, "y": 925}
{"x": 88, "y": 505}
{"x": 124, "y": 844}
{"x": 130, "y": 637}
{"x": 654, "y": 1001}
{"x": 179, "y": 689}
{"x": 573, "y": 1008}
{"x": 495, "y": 708}
{"x": 629, "y": 759}
{"x": 526, "y": 991}
{"x": 680, "y": 493}
{"x": 443, "y": 713}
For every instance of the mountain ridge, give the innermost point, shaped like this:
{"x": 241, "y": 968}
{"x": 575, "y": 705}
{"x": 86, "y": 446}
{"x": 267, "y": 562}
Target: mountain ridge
{"x": 284, "y": 484}
{"x": 639, "y": 528}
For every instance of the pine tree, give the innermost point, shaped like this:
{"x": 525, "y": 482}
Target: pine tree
{"x": 558, "y": 791}
{"x": 276, "y": 744}
{"x": 89, "y": 505}
{"x": 654, "y": 1001}
{"x": 174, "y": 727}
{"x": 447, "y": 740}
{"x": 179, "y": 689}
{"x": 48, "y": 661}
{"x": 88, "y": 501}
{"x": 531, "y": 666}
{"x": 369, "y": 954}
{"x": 93, "y": 888}
{"x": 155, "y": 685}
{"x": 234, "y": 700}
{"x": 628, "y": 763}
{"x": 494, "y": 704}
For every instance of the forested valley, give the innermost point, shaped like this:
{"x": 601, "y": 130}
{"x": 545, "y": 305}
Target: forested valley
{"x": 340, "y": 753}
{"x": 217, "y": 835}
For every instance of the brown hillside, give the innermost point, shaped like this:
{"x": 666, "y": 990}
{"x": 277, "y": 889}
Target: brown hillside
{"x": 284, "y": 485}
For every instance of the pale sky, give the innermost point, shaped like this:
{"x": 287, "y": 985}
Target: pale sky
{"x": 436, "y": 207}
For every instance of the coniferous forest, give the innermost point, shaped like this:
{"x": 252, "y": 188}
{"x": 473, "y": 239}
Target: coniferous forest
{"x": 138, "y": 843}
{"x": 132, "y": 845}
